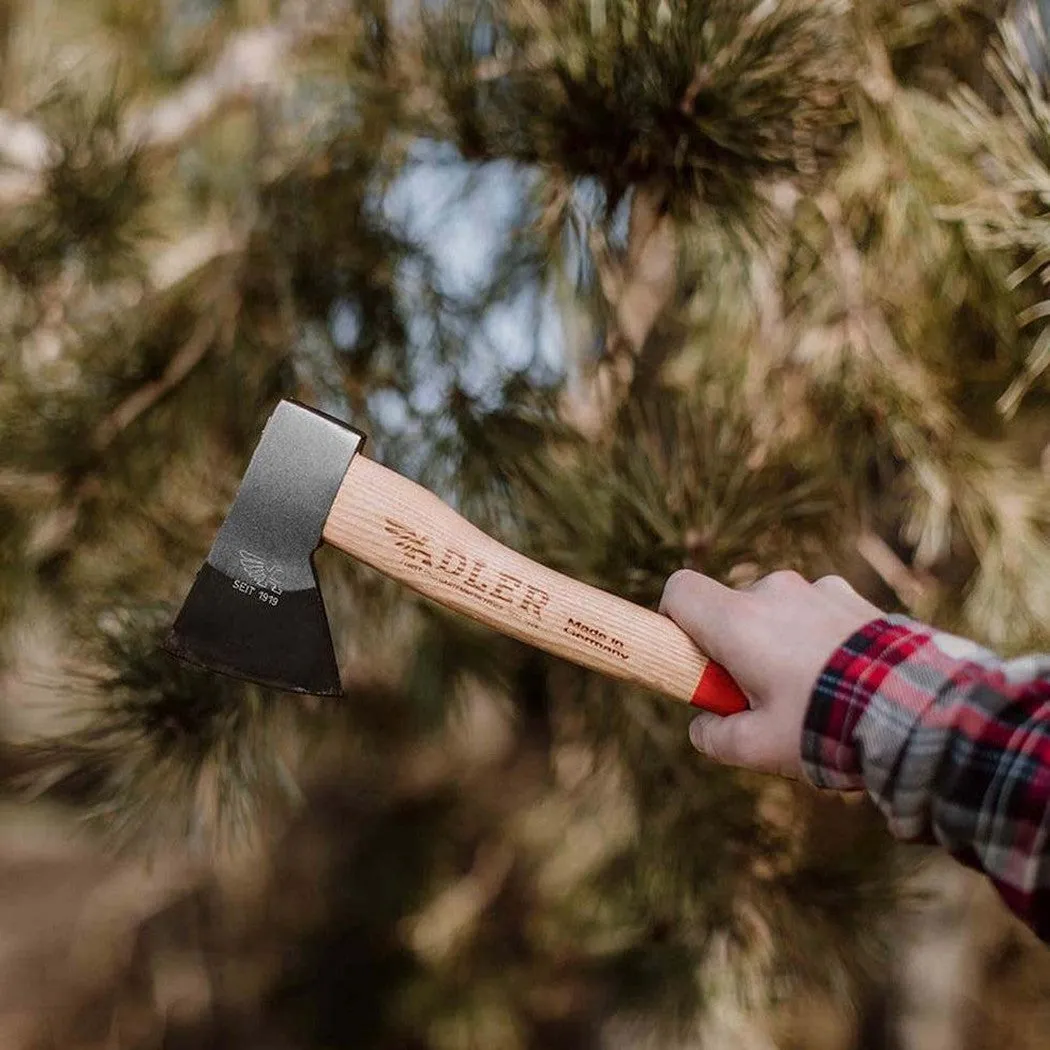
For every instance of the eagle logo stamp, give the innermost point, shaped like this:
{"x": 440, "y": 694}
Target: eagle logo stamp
{"x": 415, "y": 547}
{"x": 263, "y": 573}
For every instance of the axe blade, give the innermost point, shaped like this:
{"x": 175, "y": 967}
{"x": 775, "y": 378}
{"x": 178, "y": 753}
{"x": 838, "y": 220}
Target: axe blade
{"x": 255, "y": 610}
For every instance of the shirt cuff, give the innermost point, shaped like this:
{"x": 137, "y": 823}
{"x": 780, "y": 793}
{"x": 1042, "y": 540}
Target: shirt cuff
{"x": 831, "y": 755}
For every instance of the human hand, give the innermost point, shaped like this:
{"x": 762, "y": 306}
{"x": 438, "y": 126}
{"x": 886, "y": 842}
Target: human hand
{"x": 774, "y": 638}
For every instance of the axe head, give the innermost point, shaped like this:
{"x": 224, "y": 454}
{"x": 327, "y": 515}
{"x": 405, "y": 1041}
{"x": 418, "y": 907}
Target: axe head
{"x": 255, "y": 609}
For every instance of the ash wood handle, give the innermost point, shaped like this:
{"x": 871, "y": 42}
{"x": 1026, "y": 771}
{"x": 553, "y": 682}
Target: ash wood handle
{"x": 407, "y": 533}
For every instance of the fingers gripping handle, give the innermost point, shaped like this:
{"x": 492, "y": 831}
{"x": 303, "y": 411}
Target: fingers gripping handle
{"x": 407, "y": 533}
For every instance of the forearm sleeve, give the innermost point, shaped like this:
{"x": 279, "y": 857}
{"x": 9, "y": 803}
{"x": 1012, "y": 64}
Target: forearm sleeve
{"x": 951, "y": 742}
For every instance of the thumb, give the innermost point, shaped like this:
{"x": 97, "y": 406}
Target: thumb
{"x": 720, "y": 738}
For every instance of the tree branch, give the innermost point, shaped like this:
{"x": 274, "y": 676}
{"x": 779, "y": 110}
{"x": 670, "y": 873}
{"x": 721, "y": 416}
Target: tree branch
{"x": 16, "y": 483}
{"x": 189, "y": 355}
{"x": 252, "y": 62}
{"x": 911, "y": 590}
{"x": 637, "y": 285}
{"x": 190, "y": 254}
{"x": 18, "y": 188}
{"x": 55, "y": 530}
{"x": 23, "y": 144}
{"x": 26, "y": 151}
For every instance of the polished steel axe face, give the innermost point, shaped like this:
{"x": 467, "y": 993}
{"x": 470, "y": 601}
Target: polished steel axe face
{"x": 255, "y": 609}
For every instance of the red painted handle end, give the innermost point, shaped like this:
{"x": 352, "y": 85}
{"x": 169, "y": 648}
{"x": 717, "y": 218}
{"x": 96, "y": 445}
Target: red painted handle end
{"x": 718, "y": 692}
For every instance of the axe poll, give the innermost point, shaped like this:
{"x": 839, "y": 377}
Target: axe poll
{"x": 255, "y": 609}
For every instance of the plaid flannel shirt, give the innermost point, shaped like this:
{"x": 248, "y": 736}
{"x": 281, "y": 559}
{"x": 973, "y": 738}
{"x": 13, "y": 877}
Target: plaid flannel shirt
{"x": 953, "y": 744}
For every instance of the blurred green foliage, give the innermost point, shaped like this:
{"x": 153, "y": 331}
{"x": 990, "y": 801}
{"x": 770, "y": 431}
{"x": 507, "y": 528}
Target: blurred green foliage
{"x": 729, "y": 285}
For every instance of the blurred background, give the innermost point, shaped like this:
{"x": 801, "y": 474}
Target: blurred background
{"x": 736, "y": 285}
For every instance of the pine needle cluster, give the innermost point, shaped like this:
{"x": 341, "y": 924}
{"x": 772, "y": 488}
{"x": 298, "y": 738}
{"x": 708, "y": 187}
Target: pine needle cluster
{"x": 746, "y": 91}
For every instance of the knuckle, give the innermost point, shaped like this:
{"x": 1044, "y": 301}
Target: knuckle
{"x": 781, "y": 580}
{"x": 738, "y": 742}
{"x": 677, "y": 588}
{"x": 831, "y": 580}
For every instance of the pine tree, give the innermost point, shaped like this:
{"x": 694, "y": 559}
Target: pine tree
{"x": 766, "y": 289}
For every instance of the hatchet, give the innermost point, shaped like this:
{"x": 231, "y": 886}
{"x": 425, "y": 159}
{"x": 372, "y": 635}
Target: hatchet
{"x": 255, "y": 609}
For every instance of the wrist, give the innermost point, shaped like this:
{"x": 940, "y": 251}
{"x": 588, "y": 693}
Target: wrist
{"x": 852, "y": 675}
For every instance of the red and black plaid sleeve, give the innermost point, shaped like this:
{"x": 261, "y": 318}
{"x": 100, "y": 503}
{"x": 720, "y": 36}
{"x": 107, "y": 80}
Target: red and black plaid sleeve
{"x": 952, "y": 743}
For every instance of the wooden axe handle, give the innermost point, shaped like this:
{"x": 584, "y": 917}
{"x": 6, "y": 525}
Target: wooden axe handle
{"x": 407, "y": 533}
